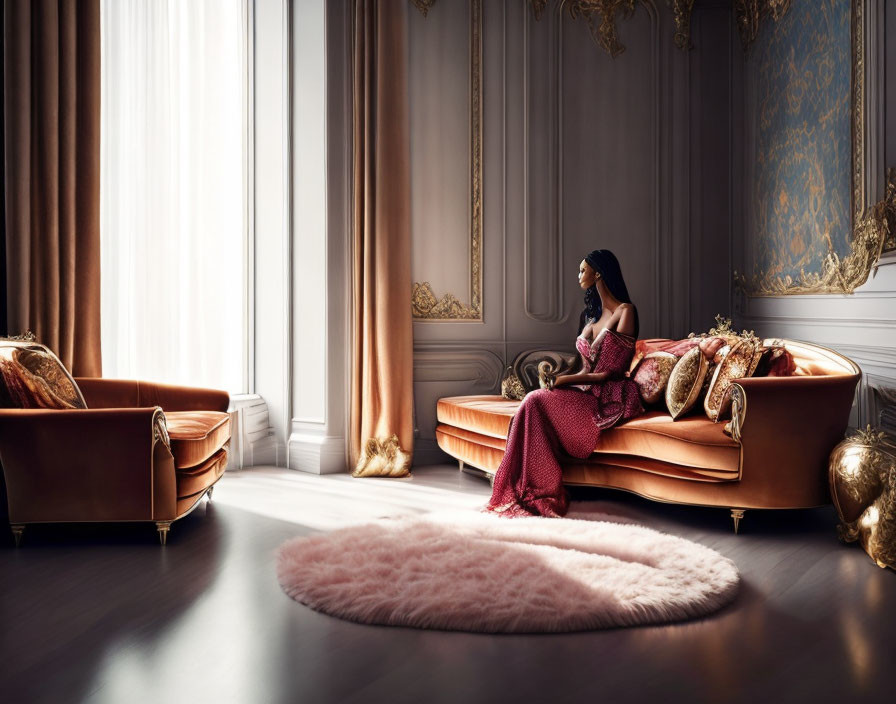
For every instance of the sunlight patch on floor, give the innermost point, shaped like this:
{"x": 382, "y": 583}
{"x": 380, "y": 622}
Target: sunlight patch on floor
{"x": 326, "y": 502}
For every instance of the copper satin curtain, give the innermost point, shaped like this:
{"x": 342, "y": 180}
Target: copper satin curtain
{"x": 382, "y": 428}
{"x": 51, "y": 110}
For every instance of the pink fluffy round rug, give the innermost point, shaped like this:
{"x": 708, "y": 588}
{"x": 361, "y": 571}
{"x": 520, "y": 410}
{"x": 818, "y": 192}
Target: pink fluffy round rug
{"x": 479, "y": 572}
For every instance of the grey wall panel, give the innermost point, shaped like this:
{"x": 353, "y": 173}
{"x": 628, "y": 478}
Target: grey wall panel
{"x": 890, "y": 81}
{"x": 580, "y": 151}
{"x": 439, "y": 120}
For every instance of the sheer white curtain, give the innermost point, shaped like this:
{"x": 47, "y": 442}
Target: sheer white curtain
{"x": 172, "y": 191}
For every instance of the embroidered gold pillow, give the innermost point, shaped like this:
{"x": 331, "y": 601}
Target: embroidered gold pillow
{"x": 652, "y": 375}
{"x": 686, "y": 382}
{"x": 740, "y": 362}
{"x": 31, "y": 376}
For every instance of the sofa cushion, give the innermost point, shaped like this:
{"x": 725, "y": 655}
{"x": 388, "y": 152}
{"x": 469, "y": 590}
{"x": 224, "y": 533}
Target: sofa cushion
{"x": 486, "y": 415}
{"x": 694, "y": 441}
{"x": 192, "y": 480}
{"x": 196, "y": 435}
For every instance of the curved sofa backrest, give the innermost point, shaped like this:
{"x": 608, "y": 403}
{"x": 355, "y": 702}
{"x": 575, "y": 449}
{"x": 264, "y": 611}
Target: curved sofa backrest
{"x": 816, "y": 360}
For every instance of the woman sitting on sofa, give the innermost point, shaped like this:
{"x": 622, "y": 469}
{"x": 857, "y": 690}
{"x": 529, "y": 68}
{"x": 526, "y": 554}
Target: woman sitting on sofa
{"x": 571, "y": 412}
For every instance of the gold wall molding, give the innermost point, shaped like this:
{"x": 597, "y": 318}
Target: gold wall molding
{"x": 890, "y": 210}
{"x": 873, "y": 226}
{"x": 426, "y": 304}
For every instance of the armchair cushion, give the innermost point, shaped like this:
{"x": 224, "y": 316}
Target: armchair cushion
{"x": 196, "y": 435}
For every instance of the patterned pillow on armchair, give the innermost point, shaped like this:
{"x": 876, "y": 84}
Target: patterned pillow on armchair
{"x": 31, "y": 376}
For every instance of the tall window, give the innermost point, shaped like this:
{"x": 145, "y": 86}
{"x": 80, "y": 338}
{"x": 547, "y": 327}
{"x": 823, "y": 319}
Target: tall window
{"x": 174, "y": 198}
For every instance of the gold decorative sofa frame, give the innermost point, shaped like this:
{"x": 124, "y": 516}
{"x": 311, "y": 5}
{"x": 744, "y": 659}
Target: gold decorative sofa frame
{"x": 782, "y": 431}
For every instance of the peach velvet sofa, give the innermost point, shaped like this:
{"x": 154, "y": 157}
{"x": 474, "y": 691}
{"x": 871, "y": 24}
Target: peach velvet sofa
{"x": 138, "y": 452}
{"x": 775, "y": 455}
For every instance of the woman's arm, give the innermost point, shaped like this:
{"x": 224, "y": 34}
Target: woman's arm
{"x": 569, "y": 379}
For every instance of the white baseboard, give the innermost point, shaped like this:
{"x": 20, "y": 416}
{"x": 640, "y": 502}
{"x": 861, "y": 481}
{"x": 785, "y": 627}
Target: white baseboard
{"x": 316, "y": 453}
{"x": 252, "y": 439}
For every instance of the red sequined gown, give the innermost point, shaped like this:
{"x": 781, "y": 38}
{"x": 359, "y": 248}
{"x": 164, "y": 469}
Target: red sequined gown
{"x": 529, "y": 480}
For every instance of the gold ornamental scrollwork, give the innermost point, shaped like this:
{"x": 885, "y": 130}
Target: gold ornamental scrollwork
{"x": 681, "y": 12}
{"x": 750, "y": 13}
{"x": 600, "y": 16}
{"x": 424, "y": 6}
{"x": 425, "y": 303}
{"x": 890, "y": 210}
{"x": 538, "y": 7}
{"x": 427, "y": 306}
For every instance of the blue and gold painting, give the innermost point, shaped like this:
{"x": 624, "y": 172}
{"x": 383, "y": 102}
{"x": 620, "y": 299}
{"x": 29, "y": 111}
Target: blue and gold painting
{"x": 802, "y": 191}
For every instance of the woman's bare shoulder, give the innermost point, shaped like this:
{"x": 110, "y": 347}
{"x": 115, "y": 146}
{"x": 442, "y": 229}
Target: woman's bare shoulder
{"x": 625, "y": 323}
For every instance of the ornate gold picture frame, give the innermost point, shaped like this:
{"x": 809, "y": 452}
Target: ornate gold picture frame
{"x": 426, "y": 303}
{"x": 872, "y": 223}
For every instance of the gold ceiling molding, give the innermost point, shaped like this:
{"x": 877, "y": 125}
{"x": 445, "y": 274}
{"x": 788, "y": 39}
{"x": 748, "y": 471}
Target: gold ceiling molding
{"x": 426, "y": 305}
{"x": 681, "y": 11}
{"x": 424, "y": 6}
{"x": 600, "y": 15}
{"x": 750, "y": 14}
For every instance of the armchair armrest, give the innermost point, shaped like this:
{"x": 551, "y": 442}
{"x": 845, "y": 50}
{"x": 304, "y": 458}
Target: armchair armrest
{"x": 788, "y": 427}
{"x": 87, "y": 465}
{"x": 122, "y": 393}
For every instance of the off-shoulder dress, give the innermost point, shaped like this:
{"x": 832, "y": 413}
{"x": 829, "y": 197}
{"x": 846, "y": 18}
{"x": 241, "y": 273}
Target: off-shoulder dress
{"x": 567, "y": 420}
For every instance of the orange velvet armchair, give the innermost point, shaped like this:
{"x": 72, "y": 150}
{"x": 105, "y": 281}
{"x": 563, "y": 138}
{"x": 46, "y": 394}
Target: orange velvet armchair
{"x": 138, "y": 452}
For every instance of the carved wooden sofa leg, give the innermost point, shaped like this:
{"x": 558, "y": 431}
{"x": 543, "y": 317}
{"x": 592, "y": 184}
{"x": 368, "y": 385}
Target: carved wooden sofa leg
{"x": 163, "y": 527}
{"x": 18, "y": 531}
{"x": 460, "y": 465}
{"x": 736, "y": 515}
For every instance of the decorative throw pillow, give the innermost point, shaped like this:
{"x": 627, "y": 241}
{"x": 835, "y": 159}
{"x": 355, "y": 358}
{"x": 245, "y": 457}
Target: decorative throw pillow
{"x": 31, "y": 376}
{"x": 685, "y": 383}
{"x": 775, "y": 360}
{"x": 739, "y": 363}
{"x": 652, "y": 375}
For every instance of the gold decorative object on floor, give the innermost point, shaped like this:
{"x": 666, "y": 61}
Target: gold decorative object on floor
{"x": 863, "y": 487}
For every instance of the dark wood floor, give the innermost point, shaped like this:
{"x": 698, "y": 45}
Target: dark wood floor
{"x": 106, "y": 615}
